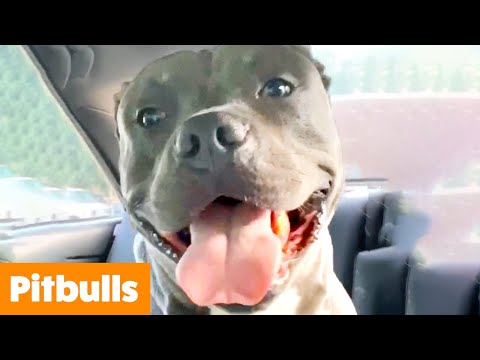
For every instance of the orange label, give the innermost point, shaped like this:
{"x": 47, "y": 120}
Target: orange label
{"x": 75, "y": 289}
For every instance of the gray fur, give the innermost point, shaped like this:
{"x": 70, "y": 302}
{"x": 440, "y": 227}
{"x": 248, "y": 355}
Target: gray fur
{"x": 285, "y": 149}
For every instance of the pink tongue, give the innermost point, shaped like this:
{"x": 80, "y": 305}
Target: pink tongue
{"x": 233, "y": 257}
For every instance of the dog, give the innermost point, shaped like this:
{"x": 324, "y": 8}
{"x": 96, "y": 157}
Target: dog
{"x": 231, "y": 170}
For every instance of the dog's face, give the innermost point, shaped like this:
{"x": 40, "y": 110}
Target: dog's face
{"x": 229, "y": 155}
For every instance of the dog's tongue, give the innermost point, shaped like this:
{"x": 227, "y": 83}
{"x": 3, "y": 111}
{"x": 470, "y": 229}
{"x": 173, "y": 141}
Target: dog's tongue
{"x": 233, "y": 257}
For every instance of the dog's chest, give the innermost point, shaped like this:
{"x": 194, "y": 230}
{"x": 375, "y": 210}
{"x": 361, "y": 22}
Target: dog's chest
{"x": 215, "y": 310}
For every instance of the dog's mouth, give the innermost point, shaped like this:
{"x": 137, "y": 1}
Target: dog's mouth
{"x": 236, "y": 253}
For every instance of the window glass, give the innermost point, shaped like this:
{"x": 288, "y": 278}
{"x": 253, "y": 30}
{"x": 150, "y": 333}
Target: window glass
{"x": 46, "y": 170}
{"x": 411, "y": 115}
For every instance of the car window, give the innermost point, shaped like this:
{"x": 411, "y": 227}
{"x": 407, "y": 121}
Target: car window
{"x": 47, "y": 171}
{"x": 411, "y": 115}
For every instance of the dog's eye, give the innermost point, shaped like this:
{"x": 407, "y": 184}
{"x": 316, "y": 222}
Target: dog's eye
{"x": 277, "y": 88}
{"x": 150, "y": 117}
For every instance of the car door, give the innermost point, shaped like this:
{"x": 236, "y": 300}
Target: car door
{"x": 57, "y": 204}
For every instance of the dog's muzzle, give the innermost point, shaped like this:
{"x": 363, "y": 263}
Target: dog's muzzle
{"x": 205, "y": 142}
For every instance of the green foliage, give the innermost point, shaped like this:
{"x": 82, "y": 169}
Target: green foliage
{"x": 348, "y": 79}
{"x": 36, "y": 138}
{"x": 373, "y": 76}
{"x": 459, "y": 82}
{"x": 440, "y": 79}
{"x": 395, "y": 69}
{"x": 416, "y": 79}
{"x": 392, "y": 81}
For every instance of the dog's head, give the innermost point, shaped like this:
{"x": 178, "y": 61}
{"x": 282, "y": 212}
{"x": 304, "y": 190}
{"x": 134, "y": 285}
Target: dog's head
{"x": 232, "y": 157}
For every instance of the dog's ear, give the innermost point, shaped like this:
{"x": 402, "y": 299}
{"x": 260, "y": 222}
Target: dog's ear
{"x": 327, "y": 81}
{"x": 117, "y": 98}
{"x": 305, "y": 50}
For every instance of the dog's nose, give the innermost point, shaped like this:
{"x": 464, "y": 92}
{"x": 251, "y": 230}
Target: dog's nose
{"x": 207, "y": 139}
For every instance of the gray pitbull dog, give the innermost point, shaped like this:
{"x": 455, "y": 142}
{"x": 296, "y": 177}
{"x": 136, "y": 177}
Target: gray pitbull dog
{"x": 231, "y": 169}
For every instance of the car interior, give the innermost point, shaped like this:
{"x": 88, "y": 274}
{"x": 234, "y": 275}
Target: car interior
{"x": 406, "y": 234}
